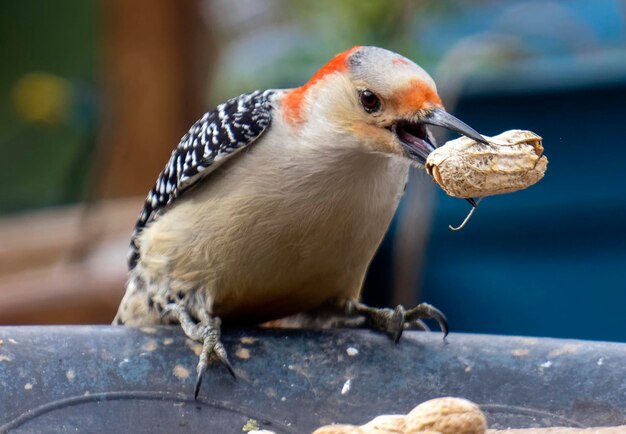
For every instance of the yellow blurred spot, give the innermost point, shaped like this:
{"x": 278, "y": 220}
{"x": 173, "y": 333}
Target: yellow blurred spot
{"x": 42, "y": 97}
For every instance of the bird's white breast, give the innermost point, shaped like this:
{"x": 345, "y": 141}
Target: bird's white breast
{"x": 280, "y": 229}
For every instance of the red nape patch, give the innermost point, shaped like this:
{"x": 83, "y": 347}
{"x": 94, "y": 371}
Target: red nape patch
{"x": 292, "y": 101}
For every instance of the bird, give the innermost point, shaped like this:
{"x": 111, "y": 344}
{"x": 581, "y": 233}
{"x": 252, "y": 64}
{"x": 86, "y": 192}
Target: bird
{"x": 274, "y": 203}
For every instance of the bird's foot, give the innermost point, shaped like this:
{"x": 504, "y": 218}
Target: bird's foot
{"x": 394, "y": 321}
{"x": 208, "y": 332}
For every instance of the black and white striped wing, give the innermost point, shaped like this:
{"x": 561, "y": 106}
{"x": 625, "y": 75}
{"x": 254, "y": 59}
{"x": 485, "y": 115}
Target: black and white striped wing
{"x": 216, "y": 137}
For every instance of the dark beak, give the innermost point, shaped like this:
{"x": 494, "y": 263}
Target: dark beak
{"x": 418, "y": 142}
{"x": 441, "y": 118}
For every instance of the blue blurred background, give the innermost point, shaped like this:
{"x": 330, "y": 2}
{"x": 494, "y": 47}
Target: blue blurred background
{"x": 94, "y": 95}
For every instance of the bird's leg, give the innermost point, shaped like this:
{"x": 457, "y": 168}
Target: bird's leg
{"x": 391, "y": 321}
{"x": 207, "y": 331}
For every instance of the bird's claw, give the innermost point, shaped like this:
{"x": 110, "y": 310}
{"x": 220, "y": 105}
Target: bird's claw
{"x": 211, "y": 346}
{"x": 208, "y": 332}
{"x": 394, "y": 321}
{"x": 424, "y": 310}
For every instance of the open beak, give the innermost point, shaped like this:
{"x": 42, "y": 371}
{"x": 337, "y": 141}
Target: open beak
{"x": 416, "y": 140}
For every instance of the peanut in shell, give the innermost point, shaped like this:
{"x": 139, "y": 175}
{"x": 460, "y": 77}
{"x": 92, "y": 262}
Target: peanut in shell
{"x": 465, "y": 168}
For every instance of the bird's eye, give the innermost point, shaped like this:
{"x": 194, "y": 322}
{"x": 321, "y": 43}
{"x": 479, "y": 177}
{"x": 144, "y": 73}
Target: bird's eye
{"x": 369, "y": 101}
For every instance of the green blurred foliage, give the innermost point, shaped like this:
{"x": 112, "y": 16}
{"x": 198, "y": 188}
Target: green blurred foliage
{"x": 43, "y": 152}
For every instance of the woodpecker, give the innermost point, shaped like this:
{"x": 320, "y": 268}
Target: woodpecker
{"x": 274, "y": 203}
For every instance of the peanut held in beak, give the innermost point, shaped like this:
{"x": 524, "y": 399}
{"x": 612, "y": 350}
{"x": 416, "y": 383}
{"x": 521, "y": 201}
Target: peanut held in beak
{"x": 466, "y": 168}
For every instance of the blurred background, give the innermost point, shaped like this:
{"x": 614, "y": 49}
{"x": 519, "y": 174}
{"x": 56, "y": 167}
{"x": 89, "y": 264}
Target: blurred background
{"x": 94, "y": 95}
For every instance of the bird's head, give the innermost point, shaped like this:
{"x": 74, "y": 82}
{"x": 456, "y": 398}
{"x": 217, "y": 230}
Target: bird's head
{"x": 378, "y": 96}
